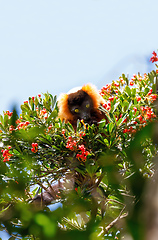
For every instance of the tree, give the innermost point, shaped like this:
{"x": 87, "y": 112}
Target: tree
{"x": 102, "y": 169}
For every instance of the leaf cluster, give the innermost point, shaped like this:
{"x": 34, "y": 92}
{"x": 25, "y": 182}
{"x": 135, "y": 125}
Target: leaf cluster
{"x": 97, "y": 163}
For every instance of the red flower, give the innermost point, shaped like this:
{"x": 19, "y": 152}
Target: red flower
{"x": 116, "y": 84}
{"x": 154, "y": 96}
{"x": 130, "y": 130}
{"x": 111, "y": 98}
{"x": 34, "y": 147}
{"x": 82, "y": 134}
{"x": 125, "y": 120}
{"x": 138, "y": 99}
{"x": 6, "y": 154}
{"x": 150, "y": 91}
{"x": 11, "y": 128}
{"x": 22, "y": 124}
{"x": 125, "y": 130}
{"x": 154, "y": 58}
{"x": 9, "y": 113}
{"x": 105, "y": 105}
{"x": 135, "y": 109}
{"x": 71, "y": 144}
{"x": 140, "y": 118}
{"x": 44, "y": 111}
{"x": 81, "y": 147}
{"x": 63, "y": 132}
{"x": 83, "y": 155}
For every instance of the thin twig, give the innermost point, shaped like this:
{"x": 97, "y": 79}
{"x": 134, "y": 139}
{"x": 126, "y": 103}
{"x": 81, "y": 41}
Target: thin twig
{"x": 115, "y": 221}
{"x": 104, "y": 231}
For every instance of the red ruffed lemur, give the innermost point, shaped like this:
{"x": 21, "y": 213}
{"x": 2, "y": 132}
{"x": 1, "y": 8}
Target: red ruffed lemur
{"x": 82, "y": 103}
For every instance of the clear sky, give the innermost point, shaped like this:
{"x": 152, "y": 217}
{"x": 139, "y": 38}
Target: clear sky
{"x": 55, "y": 45}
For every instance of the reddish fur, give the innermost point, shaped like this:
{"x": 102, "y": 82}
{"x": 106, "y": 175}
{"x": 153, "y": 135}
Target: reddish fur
{"x": 64, "y": 112}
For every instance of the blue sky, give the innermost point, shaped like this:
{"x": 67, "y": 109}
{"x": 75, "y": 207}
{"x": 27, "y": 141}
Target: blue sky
{"x": 57, "y": 45}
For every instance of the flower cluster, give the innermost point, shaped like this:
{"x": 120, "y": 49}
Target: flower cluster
{"x": 6, "y": 154}
{"x": 107, "y": 106}
{"x": 43, "y": 113}
{"x": 105, "y": 90}
{"x": 154, "y": 58}
{"x": 8, "y": 113}
{"x": 83, "y": 155}
{"x": 49, "y": 128}
{"x": 34, "y": 148}
{"x": 147, "y": 113}
{"x": 11, "y": 128}
{"x": 71, "y": 144}
{"x": 129, "y": 130}
{"x": 121, "y": 97}
{"x": 22, "y": 124}
{"x": 82, "y": 134}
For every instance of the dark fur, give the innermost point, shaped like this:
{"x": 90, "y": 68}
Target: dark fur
{"x": 77, "y": 99}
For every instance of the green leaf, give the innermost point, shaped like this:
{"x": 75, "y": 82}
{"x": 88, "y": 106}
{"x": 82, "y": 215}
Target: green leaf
{"x": 146, "y": 90}
{"x": 106, "y": 112}
{"x": 16, "y": 152}
{"x": 128, "y": 90}
{"x": 119, "y": 122}
{"x": 54, "y": 147}
{"x": 53, "y": 115}
{"x": 5, "y": 120}
{"x": 136, "y": 114}
{"x": 102, "y": 123}
{"x": 97, "y": 136}
{"x": 1, "y": 119}
{"x": 80, "y": 171}
{"x": 49, "y": 138}
{"x": 25, "y": 107}
{"x": 54, "y": 100}
{"x": 130, "y": 115}
{"x": 13, "y": 118}
{"x": 110, "y": 127}
{"x": 125, "y": 105}
{"x": 116, "y": 106}
{"x": 106, "y": 142}
{"x": 133, "y": 92}
{"x": 135, "y": 101}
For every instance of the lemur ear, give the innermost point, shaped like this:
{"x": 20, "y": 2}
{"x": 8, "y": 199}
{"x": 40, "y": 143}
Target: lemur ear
{"x": 64, "y": 112}
{"x": 92, "y": 91}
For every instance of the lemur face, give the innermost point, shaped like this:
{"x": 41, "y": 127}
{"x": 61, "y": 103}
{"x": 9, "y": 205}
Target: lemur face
{"x": 80, "y": 105}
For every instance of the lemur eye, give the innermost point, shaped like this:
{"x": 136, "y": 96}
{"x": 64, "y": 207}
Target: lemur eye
{"x": 76, "y": 110}
{"x": 87, "y": 105}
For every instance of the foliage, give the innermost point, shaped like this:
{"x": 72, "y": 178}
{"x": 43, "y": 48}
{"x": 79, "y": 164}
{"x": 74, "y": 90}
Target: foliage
{"x": 104, "y": 166}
